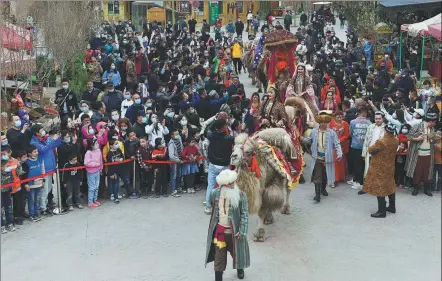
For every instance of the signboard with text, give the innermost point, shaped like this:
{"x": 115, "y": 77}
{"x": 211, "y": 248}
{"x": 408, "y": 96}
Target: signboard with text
{"x": 213, "y": 13}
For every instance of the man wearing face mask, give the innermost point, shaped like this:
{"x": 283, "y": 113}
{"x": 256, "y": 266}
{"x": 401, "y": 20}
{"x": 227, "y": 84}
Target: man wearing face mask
{"x": 156, "y": 129}
{"x": 18, "y": 137}
{"x": 134, "y": 108}
{"x": 112, "y": 99}
{"x": 99, "y": 111}
{"x": 91, "y": 93}
{"x": 66, "y": 100}
{"x": 45, "y": 146}
{"x": 139, "y": 127}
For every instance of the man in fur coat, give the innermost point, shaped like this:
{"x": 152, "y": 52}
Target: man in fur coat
{"x": 380, "y": 175}
{"x": 228, "y": 226}
{"x": 323, "y": 141}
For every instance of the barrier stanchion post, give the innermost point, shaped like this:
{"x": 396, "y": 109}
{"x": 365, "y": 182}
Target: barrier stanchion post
{"x": 59, "y": 209}
{"x": 133, "y": 174}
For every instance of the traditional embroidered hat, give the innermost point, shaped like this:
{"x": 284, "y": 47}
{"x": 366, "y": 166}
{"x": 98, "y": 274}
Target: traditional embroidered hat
{"x": 391, "y": 128}
{"x": 226, "y": 177}
{"x": 420, "y": 111}
{"x": 324, "y": 116}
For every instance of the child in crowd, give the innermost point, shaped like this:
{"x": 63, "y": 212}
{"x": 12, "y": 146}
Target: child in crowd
{"x": 175, "y": 148}
{"x": 146, "y": 174}
{"x": 114, "y": 172}
{"x": 19, "y": 198}
{"x": 160, "y": 154}
{"x": 130, "y": 152}
{"x": 7, "y": 178}
{"x": 189, "y": 169}
{"x": 33, "y": 188}
{"x": 93, "y": 160}
{"x": 71, "y": 180}
{"x": 401, "y": 156}
{"x": 16, "y": 192}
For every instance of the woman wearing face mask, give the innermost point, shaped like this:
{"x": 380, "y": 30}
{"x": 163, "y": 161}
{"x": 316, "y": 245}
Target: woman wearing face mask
{"x": 112, "y": 76}
{"x": 156, "y": 130}
{"x": 134, "y": 108}
{"x": 84, "y": 109}
{"x": 18, "y": 136}
{"x": 72, "y": 127}
{"x": 113, "y": 122}
{"x": 126, "y": 103}
{"x": 123, "y": 127}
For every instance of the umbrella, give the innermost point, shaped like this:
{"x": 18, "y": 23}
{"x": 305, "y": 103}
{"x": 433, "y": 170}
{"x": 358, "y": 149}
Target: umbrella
{"x": 435, "y": 31}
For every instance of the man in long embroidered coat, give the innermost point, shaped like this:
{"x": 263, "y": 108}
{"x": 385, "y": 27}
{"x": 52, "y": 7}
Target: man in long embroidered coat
{"x": 323, "y": 141}
{"x": 380, "y": 176}
{"x": 420, "y": 159}
{"x": 228, "y": 226}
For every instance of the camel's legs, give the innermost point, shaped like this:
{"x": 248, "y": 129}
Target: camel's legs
{"x": 286, "y": 207}
{"x": 260, "y": 232}
{"x": 268, "y": 218}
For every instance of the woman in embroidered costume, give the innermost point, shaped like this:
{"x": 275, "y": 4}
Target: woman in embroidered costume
{"x": 273, "y": 113}
{"x": 228, "y": 226}
{"x": 329, "y": 103}
{"x": 341, "y": 128}
{"x": 300, "y": 86}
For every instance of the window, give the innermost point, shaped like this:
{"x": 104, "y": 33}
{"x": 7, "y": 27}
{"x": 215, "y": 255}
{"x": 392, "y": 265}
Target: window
{"x": 240, "y": 6}
{"x": 201, "y": 6}
{"x": 113, "y": 8}
{"x": 220, "y": 7}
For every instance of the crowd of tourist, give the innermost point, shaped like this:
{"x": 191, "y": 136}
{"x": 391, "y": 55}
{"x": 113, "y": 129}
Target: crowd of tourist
{"x": 163, "y": 105}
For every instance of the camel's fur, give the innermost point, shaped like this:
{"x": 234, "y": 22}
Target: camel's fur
{"x": 270, "y": 192}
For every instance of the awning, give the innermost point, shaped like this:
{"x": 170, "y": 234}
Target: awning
{"x": 14, "y": 37}
{"x": 435, "y": 31}
{"x": 405, "y": 3}
{"x": 421, "y": 28}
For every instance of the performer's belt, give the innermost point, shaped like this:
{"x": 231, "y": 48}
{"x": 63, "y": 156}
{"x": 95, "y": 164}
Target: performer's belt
{"x": 424, "y": 149}
{"x": 321, "y": 154}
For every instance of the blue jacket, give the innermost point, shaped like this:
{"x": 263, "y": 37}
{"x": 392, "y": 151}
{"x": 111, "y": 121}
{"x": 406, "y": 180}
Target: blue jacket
{"x": 131, "y": 112}
{"x": 112, "y": 76}
{"x": 230, "y": 28}
{"x": 46, "y": 152}
{"x": 35, "y": 168}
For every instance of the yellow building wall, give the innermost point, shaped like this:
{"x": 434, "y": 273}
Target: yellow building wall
{"x": 123, "y": 15}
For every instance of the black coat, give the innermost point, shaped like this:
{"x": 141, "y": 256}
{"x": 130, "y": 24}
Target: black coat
{"x": 139, "y": 129}
{"x": 90, "y": 95}
{"x": 17, "y": 140}
{"x": 239, "y": 27}
{"x": 203, "y": 108}
{"x": 220, "y": 148}
{"x": 66, "y": 97}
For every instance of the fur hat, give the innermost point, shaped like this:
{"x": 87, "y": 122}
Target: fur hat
{"x": 226, "y": 177}
{"x": 295, "y": 102}
{"x": 324, "y": 116}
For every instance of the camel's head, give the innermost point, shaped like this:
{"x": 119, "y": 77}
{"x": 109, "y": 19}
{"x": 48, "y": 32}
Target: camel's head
{"x": 243, "y": 151}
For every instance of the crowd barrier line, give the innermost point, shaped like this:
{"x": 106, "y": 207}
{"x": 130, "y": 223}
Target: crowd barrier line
{"x": 20, "y": 182}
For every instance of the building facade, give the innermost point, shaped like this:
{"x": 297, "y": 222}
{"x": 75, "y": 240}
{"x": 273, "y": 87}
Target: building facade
{"x": 117, "y": 10}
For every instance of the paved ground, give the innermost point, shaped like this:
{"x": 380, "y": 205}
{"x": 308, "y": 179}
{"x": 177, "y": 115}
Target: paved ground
{"x": 164, "y": 240}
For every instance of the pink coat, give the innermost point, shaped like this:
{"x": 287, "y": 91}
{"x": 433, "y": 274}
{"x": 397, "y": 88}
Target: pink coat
{"x": 93, "y": 160}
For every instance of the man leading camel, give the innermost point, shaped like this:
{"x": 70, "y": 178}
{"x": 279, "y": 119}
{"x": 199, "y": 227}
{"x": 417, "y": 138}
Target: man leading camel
{"x": 228, "y": 226}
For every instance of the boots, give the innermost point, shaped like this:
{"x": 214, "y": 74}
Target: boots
{"x": 301, "y": 179}
{"x": 317, "y": 198}
{"x": 218, "y": 276}
{"x": 415, "y": 190}
{"x": 240, "y": 273}
{"x": 382, "y": 209}
{"x": 427, "y": 189}
{"x": 391, "y": 203}
{"x": 323, "y": 190}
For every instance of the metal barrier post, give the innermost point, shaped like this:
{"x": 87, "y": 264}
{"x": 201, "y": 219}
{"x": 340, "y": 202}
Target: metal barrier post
{"x": 134, "y": 182}
{"x": 59, "y": 209}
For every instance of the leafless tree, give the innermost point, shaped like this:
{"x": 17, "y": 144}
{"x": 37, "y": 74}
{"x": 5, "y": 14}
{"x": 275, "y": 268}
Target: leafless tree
{"x": 65, "y": 27}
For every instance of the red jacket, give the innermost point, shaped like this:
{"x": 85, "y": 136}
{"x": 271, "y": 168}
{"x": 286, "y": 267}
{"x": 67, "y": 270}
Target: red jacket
{"x": 188, "y": 151}
{"x": 141, "y": 65}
